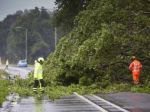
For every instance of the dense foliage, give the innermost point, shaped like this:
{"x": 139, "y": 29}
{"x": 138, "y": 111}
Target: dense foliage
{"x": 4, "y": 91}
{"x": 98, "y": 49}
{"x": 65, "y": 14}
{"x": 4, "y": 31}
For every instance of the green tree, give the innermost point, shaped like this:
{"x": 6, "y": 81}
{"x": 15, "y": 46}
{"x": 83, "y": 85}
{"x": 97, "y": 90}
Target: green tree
{"x": 40, "y": 34}
{"x": 99, "y": 47}
{"x": 5, "y": 26}
{"x": 65, "y": 14}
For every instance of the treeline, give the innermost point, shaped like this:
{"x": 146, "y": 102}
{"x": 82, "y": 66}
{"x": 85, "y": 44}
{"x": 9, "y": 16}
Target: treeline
{"x": 104, "y": 36}
{"x": 40, "y": 34}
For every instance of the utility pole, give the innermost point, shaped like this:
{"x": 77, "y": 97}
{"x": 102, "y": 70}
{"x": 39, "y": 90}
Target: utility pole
{"x": 55, "y": 36}
{"x": 26, "y": 44}
{"x": 26, "y": 41}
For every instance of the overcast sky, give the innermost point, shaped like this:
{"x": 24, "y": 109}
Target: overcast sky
{"x": 11, "y": 6}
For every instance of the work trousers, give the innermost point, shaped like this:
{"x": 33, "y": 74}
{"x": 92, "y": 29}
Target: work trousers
{"x": 39, "y": 83}
{"x": 136, "y": 76}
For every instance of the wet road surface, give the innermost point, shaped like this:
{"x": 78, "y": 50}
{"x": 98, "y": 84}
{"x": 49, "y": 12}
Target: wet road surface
{"x": 72, "y": 103}
{"x": 19, "y": 71}
{"x": 66, "y": 104}
{"x": 32, "y": 104}
{"x": 134, "y": 102}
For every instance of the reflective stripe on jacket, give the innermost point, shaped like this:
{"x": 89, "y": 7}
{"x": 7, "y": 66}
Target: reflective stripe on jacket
{"x": 135, "y": 66}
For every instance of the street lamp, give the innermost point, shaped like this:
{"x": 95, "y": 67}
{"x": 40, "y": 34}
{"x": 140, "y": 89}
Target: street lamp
{"x": 55, "y": 29}
{"x": 26, "y": 34}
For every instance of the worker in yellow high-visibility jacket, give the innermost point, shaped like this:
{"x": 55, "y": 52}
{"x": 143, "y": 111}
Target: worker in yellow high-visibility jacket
{"x": 38, "y": 75}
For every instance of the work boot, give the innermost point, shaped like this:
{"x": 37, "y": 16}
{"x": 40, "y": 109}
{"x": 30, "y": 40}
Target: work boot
{"x": 34, "y": 89}
{"x": 42, "y": 90}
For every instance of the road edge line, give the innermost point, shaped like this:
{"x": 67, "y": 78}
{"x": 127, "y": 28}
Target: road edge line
{"x": 93, "y": 104}
{"x": 118, "y": 107}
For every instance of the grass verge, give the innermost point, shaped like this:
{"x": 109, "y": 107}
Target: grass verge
{"x": 24, "y": 88}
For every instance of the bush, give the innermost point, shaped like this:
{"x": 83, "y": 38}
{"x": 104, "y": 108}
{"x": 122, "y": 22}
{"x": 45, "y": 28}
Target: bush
{"x": 4, "y": 90}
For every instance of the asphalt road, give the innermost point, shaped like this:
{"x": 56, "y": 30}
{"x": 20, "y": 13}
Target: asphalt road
{"x": 134, "y": 102}
{"x": 19, "y": 71}
{"x": 66, "y": 104}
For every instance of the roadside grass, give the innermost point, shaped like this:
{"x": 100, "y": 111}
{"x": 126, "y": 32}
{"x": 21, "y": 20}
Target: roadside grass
{"x": 4, "y": 86}
{"x": 141, "y": 89}
{"x": 4, "y": 91}
{"x": 126, "y": 87}
{"x": 55, "y": 92}
{"x": 22, "y": 91}
{"x": 24, "y": 88}
{"x": 59, "y": 91}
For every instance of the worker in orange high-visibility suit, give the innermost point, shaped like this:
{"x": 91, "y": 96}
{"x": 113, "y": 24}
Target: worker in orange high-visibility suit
{"x": 136, "y": 68}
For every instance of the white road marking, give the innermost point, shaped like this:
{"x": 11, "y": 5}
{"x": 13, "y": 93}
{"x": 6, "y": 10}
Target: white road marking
{"x": 116, "y": 106}
{"x": 96, "y": 106}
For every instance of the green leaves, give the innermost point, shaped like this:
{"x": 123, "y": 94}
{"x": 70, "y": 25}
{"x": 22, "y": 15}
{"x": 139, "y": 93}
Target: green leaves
{"x": 99, "y": 47}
